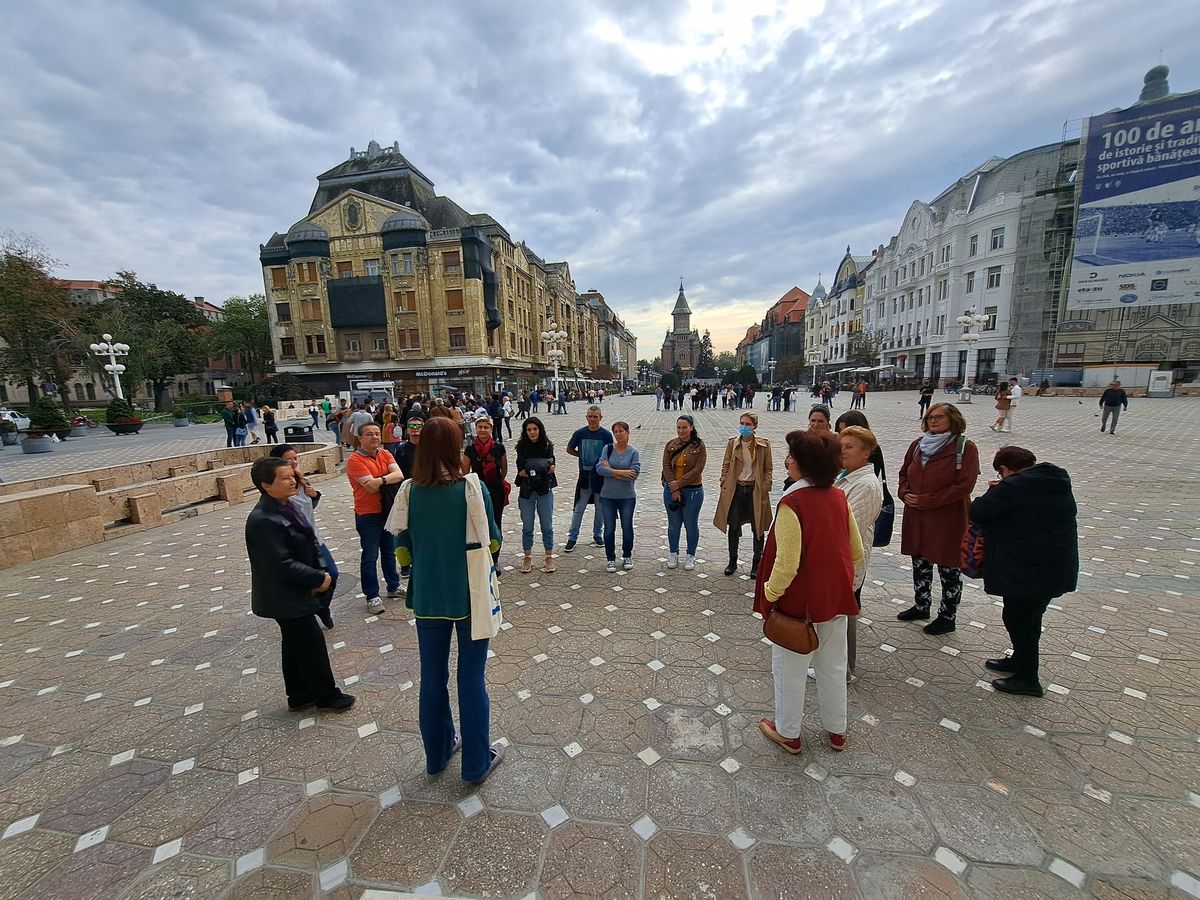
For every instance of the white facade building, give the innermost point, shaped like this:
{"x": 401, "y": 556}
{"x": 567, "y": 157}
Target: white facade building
{"x": 956, "y": 253}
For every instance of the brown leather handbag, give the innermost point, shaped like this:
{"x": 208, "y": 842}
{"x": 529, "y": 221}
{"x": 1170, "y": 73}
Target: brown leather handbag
{"x": 790, "y": 633}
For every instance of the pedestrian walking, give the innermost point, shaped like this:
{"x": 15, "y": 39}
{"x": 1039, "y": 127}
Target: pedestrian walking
{"x": 925, "y": 399}
{"x": 314, "y": 413}
{"x": 1027, "y": 520}
{"x": 1003, "y": 407}
{"x": 807, "y": 573}
{"x": 536, "y": 482}
{"x": 440, "y": 518}
{"x": 1014, "y": 399}
{"x": 936, "y": 479}
{"x": 746, "y": 473}
{"x": 1112, "y": 402}
{"x": 287, "y": 584}
{"x": 683, "y": 490}
{"x": 370, "y": 469}
{"x": 619, "y": 467}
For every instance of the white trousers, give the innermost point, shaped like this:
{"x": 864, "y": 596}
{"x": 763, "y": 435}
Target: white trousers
{"x": 791, "y": 681}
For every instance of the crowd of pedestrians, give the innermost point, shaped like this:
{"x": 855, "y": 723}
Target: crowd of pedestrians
{"x": 430, "y": 469}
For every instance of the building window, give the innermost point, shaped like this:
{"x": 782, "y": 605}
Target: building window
{"x": 512, "y": 341}
{"x": 315, "y": 344}
{"x": 287, "y": 346}
{"x": 345, "y": 269}
{"x": 310, "y": 309}
{"x": 993, "y": 277}
{"x": 454, "y": 299}
{"x": 974, "y": 248}
{"x": 946, "y": 254}
{"x": 379, "y": 342}
{"x": 406, "y": 301}
{"x": 458, "y": 339}
{"x": 922, "y": 265}
{"x": 998, "y": 238}
{"x": 371, "y": 266}
{"x": 451, "y": 262}
{"x": 283, "y": 312}
{"x": 970, "y": 283}
{"x": 511, "y": 310}
{"x": 407, "y": 260}
{"x": 279, "y": 278}
{"x": 353, "y": 344}
{"x": 306, "y": 273}
{"x": 990, "y": 312}
{"x": 408, "y": 339}
{"x": 943, "y": 288}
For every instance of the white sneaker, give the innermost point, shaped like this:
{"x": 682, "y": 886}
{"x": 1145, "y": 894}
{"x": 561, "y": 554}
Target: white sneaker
{"x": 672, "y": 560}
{"x": 375, "y": 605}
{"x": 689, "y": 563}
{"x": 627, "y": 563}
{"x": 611, "y": 567}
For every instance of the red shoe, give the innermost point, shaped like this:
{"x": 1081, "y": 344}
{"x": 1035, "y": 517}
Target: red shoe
{"x": 837, "y": 742}
{"x": 767, "y": 727}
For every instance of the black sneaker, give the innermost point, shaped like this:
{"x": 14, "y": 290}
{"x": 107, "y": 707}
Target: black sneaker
{"x": 568, "y": 546}
{"x": 1002, "y": 664}
{"x": 1014, "y": 685}
{"x": 298, "y": 703}
{"x": 913, "y": 613}
{"x": 598, "y": 541}
{"x": 340, "y": 703}
{"x": 940, "y": 625}
{"x": 326, "y": 617}
{"x": 731, "y": 568}
{"x": 405, "y": 571}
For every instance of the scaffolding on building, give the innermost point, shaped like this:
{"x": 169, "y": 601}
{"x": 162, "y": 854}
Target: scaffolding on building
{"x": 1044, "y": 235}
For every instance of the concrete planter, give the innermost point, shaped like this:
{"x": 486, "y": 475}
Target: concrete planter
{"x": 37, "y": 445}
{"x": 79, "y": 431}
{"x": 124, "y": 427}
{"x": 181, "y": 423}
{"x": 9, "y": 438}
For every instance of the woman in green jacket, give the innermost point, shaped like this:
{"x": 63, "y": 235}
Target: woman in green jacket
{"x": 434, "y": 544}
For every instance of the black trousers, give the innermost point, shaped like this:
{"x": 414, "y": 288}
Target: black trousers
{"x": 307, "y": 675}
{"x": 1023, "y": 618}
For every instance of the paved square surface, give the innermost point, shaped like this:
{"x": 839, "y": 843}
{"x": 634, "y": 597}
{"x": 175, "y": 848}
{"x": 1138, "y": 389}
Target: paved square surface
{"x": 146, "y": 749}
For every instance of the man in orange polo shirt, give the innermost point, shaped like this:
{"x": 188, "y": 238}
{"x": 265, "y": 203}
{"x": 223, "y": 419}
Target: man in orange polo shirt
{"x": 369, "y": 468}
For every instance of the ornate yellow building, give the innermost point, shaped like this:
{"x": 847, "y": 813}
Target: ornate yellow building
{"x": 384, "y": 280}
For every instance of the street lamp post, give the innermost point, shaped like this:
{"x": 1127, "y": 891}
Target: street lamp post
{"x": 771, "y": 363}
{"x": 553, "y": 337}
{"x": 970, "y": 322}
{"x": 112, "y": 350}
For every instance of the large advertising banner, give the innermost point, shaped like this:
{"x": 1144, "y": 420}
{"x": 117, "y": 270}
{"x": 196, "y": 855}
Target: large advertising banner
{"x": 1137, "y": 236}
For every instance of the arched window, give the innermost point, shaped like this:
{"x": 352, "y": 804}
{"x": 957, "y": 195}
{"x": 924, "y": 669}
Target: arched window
{"x": 78, "y": 391}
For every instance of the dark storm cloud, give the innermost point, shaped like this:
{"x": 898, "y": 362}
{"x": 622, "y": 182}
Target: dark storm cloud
{"x": 742, "y": 149}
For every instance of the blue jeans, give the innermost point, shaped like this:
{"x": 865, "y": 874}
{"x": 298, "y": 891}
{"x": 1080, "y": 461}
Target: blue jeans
{"x": 611, "y": 508}
{"x": 543, "y": 507}
{"x": 474, "y": 708}
{"x": 330, "y": 565}
{"x": 230, "y": 437}
{"x": 688, "y": 517}
{"x": 577, "y": 517}
{"x": 376, "y": 544}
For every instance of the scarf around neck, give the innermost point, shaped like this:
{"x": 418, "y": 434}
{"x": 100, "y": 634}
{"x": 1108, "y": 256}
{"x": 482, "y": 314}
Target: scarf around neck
{"x": 487, "y": 461}
{"x": 931, "y": 444}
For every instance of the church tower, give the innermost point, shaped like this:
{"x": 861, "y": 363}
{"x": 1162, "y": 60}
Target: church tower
{"x": 682, "y": 314}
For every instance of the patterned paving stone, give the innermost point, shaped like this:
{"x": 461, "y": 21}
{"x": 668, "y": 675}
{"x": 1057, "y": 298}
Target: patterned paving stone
{"x": 693, "y": 865}
{"x": 27, "y": 858}
{"x": 270, "y": 883}
{"x": 322, "y": 831}
{"x": 494, "y": 853}
{"x": 173, "y": 809}
{"x": 980, "y": 824}
{"x": 106, "y": 797}
{"x": 591, "y": 861}
{"x": 691, "y": 796}
{"x": 606, "y": 788}
{"x": 180, "y": 877}
{"x": 878, "y": 814}
{"x": 799, "y": 872}
{"x": 1005, "y": 883}
{"x": 803, "y": 819}
{"x": 530, "y": 780}
{"x": 101, "y": 871}
{"x": 1173, "y": 828}
{"x": 903, "y": 877}
{"x": 246, "y": 820}
{"x": 406, "y": 843}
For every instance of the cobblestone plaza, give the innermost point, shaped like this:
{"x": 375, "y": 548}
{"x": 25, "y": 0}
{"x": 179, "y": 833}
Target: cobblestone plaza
{"x": 146, "y": 748}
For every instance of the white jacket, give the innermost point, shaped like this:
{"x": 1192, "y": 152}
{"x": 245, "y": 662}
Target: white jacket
{"x": 864, "y": 494}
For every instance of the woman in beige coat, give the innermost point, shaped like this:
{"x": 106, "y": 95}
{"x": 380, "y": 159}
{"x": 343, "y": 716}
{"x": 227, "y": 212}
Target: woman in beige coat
{"x": 745, "y": 490}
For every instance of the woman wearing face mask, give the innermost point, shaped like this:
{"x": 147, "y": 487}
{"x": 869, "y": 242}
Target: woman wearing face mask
{"x": 683, "y": 490}
{"x": 745, "y": 490}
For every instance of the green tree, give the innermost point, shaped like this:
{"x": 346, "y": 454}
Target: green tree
{"x": 726, "y": 361}
{"x": 791, "y": 368}
{"x": 705, "y": 367}
{"x": 40, "y": 337}
{"x": 167, "y": 335}
{"x": 277, "y": 388}
{"x": 244, "y": 330}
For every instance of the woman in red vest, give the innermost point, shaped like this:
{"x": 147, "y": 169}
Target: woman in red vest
{"x": 807, "y": 570}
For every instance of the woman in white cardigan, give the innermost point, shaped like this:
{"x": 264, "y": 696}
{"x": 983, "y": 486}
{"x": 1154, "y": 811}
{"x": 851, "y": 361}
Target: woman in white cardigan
{"x": 864, "y": 494}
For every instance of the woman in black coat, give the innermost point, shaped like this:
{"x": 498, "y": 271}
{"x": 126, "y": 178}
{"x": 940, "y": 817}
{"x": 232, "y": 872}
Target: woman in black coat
{"x": 1030, "y": 555}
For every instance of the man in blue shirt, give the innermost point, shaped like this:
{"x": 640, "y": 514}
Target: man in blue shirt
{"x": 587, "y": 444}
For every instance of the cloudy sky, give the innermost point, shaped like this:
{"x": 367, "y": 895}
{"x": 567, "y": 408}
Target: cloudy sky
{"x": 741, "y": 144}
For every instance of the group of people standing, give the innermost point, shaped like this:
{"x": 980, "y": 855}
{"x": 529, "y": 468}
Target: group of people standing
{"x": 809, "y": 562}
